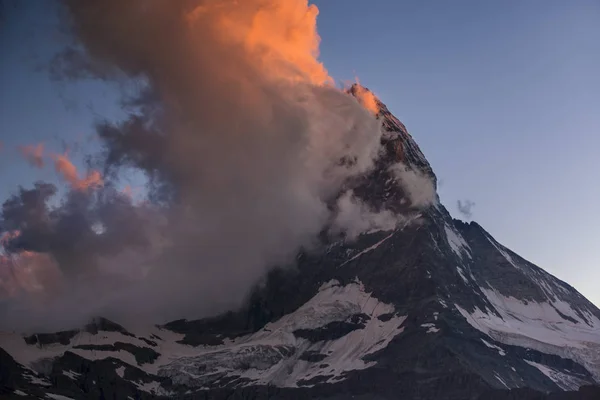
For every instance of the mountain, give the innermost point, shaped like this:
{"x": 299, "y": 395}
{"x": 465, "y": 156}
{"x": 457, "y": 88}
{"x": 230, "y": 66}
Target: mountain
{"x": 434, "y": 309}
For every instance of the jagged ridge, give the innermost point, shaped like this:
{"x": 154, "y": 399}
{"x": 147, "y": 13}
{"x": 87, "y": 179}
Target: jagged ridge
{"x": 436, "y": 309}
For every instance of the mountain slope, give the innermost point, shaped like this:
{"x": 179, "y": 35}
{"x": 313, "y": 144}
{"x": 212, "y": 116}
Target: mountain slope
{"x": 434, "y": 309}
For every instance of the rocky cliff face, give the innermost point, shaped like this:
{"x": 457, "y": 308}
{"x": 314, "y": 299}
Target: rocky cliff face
{"x": 433, "y": 309}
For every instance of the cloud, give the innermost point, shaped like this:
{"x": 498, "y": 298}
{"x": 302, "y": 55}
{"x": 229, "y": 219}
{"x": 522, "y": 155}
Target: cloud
{"x": 244, "y": 141}
{"x": 67, "y": 170}
{"x": 366, "y": 98}
{"x": 354, "y": 217}
{"x": 465, "y": 208}
{"x": 418, "y": 186}
{"x": 34, "y": 154}
{"x": 8, "y": 236}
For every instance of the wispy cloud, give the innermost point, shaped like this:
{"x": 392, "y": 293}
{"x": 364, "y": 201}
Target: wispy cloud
{"x": 34, "y": 154}
{"x": 465, "y": 208}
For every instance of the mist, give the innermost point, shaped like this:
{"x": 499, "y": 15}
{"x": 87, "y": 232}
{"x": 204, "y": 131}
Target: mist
{"x": 245, "y": 143}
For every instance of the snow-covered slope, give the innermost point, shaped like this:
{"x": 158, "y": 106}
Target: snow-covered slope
{"x": 521, "y": 305}
{"x": 433, "y": 309}
{"x": 549, "y": 327}
{"x": 331, "y": 334}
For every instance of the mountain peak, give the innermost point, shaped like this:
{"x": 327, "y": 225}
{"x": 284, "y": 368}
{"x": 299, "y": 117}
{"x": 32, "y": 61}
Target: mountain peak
{"x": 434, "y": 308}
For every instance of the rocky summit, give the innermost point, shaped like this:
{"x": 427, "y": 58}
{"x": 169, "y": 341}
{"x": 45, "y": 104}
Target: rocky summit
{"x": 434, "y": 308}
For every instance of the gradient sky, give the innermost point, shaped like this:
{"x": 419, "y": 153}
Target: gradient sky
{"x": 502, "y": 96}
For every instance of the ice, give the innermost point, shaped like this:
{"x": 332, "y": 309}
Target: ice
{"x": 431, "y": 328}
{"x": 149, "y": 387}
{"x": 37, "y": 381}
{"x": 462, "y": 274}
{"x": 57, "y": 397}
{"x": 368, "y": 249}
{"x": 540, "y": 327}
{"x": 457, "y": 243}
{"x": 502, "y": 250}
{"x": 71, "y": 374}
{"x": 26, "y": 354}
{"x": 501, "y": 381}
{"x": 272, "y": 354}
{"x": 491, "y": 346}
{"x": 564, "y": 381}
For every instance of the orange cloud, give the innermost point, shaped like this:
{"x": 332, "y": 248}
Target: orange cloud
{"x": 366, "y": 98}
{"x": 280, "y": 36}
{"x": 34, "y": 154}
{"x": 68, "y": 171}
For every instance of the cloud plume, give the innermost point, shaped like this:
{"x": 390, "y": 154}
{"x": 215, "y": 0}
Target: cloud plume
{"x": 244, "y": 141}
{"x": 34, "y": 154}
{"x": 420, "y": 188}
{"x": 366, "y": 98}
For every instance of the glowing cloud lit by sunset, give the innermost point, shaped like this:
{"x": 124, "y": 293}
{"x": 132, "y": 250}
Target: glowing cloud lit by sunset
{"x": 67, "y": 170}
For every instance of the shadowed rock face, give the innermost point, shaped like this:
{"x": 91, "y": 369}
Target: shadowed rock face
{"x": 452, "y": 314}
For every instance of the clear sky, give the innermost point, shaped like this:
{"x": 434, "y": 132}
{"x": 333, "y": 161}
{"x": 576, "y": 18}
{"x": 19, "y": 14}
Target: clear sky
{"x": 502, "y": 96}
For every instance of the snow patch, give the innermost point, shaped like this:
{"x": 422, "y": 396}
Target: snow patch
{"x": 562, "y": 380}
{"x": 491, "y": 346}
{"x": 501, "y": 249}
{"x": 457, "y": 243}
{"x": 20, "y": 393}
{"x": 27, "y": 355}
{"x": 502, "y": 381}
{"x": 368, "y": 249}
{"x": 431, "y": 328}
{"x": 57, "y": 397}
{"x": 37, "y": 381}
{"x": 273, "y": 354}
{"x": 71, "y": 374}
{"x": 540, "y": 327}
{"x": 149, "y": 387}
{"x": 120, "y": 371}
{"x": 462, "y": 275}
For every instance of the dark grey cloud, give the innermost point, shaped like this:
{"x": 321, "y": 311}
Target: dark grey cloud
{"x": 465, "y": 208}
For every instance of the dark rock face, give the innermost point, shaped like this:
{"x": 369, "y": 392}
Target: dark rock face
{"x": 43, "y": 339}
{"x": 211, "y": 331}
{"x": 333, "y": 330}
{"x": 584, "y": 393}
{"x": 102, "y": 324}
{"x": 143, "y": 355}
{"x": 312, "y": 356}
{"x": 467, "y": 304}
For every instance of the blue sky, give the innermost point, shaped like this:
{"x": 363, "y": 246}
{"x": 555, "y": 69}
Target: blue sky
{"x": 503, "y": 97}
